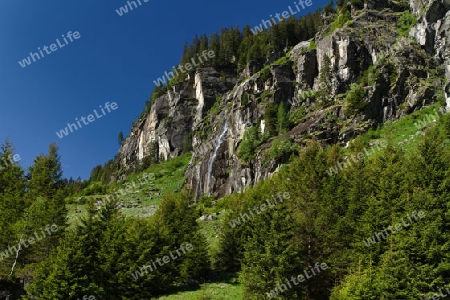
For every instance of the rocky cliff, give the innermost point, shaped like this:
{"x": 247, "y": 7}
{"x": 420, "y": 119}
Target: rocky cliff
{"x": 210, "y": 112}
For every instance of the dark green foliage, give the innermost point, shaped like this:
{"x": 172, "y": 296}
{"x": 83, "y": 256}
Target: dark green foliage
{"x": 215, "y": 108}
{"x": 104, "y": 174}
{"x": 340, "y": 3}
{"x": 187, "y": 144}
{"x": 234, "y": 49}
{"x": 153, "y": 152}
{"x": 359, "y": 4}
{"x": 282, "y": 118}
{"x": 45, "y": 175}
{"x": 369, "y": 76}
{"x": 96, "y": 173}
{"x": 120, "y": 138}
{"x": 329, "y": 8}
{"x": 245, "y": 100}
{"x": 101, "y": 256}
{"x": 324, "y": 94}
{"x": 265, "y": 74}
{"x": 12, "y": 202}
{"x": 29, "y": 203}
{"x": 270, "y": 118}
{"x": 327, "y": 218}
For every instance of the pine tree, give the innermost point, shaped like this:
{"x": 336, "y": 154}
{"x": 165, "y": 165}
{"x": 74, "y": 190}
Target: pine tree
{"x": 324, "y": 94}
{"x": 45, "y": 195}
{"x": 120, "y": 138}
{"x": 12, "y": 203}
{"x": 282, "y": 118}
{"x": 45, "y": 175}
{"x": 270, "y": 118}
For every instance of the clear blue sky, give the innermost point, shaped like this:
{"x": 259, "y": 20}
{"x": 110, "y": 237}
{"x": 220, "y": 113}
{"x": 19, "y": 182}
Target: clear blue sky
{"x": 115, "y": 60}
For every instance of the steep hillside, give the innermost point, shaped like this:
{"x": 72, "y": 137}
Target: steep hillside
{"x": 367, "y": 65}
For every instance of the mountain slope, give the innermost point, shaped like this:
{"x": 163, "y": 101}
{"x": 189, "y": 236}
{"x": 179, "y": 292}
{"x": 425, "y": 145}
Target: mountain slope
{"x": 364, "y": 67}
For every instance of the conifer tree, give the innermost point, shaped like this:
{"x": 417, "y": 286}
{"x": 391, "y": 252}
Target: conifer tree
{"x": 282, "y": 118}
{"x": 12, "y": 203}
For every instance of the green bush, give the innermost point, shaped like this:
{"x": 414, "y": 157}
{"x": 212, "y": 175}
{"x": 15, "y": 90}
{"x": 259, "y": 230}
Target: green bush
{"x": 355, "y": 98}
{"x": 281, "y": 148}
{"x": 244, "y": 101}
{"x": 215, "y": 109}
{"x": 280, "y": 61}
{"x": 340, "y": 20}
{"x": 266, "y": 94}
{"x": 250, "y": 142}
{"x": 369, "y": 76}
{"x": 265, "y": 73}
{"x": 283, "y": 122}
{"x": 405, "y": 22}
{"x": 271, "y": 120}
{"x": 312, "y": 45}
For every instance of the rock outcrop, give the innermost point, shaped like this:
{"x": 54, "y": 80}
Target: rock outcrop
{"x": 211, "y": 112}
{"x": 172, "y": 118}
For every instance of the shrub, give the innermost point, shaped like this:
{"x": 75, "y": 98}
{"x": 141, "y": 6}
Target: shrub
{"x": 270, "y": 117}
{"x": 280, "y": 61}
{"x": 405, "y": 22}
{"x": 265, "y": 73}
{"x": 340, "y": 20}
{"x": 369, "y": 76}
{"x": 249, "y": 144}
{"x": 244, "y": 101}
{"x": 359, "y": 4}
{"x": 355, "y": 98}
{"x": 282, "y": 119}
{"x": 215, "y": 109}
{"x": 281, "y": 148}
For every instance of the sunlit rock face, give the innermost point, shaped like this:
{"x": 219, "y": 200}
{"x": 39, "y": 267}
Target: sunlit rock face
{"x": 211, "y": 110}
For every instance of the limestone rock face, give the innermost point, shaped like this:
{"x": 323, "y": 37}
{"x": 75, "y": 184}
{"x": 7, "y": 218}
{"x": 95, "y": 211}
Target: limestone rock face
{"x": 210, "y": 111}
{"x": 432, "y": 32}
{"x": 172, "y": 118}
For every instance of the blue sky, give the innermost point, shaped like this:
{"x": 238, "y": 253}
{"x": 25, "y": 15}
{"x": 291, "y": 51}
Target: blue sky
{"x": 116, "y": 59}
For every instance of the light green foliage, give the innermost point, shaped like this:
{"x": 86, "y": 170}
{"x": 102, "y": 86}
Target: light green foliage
{"x": 249, "y": 144}
{"x": 355, "y": 98}
{"x": 215, "y": 109}
{"x": 339, "y": 21}
{"x": 221, "y": 287}
{"x": 163, "y": 178}
{"x": 369, "y": 77}
{"x": 281, "y": 61}
{"x": 281, "y": 148}
{"x": 406, "y": 20}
